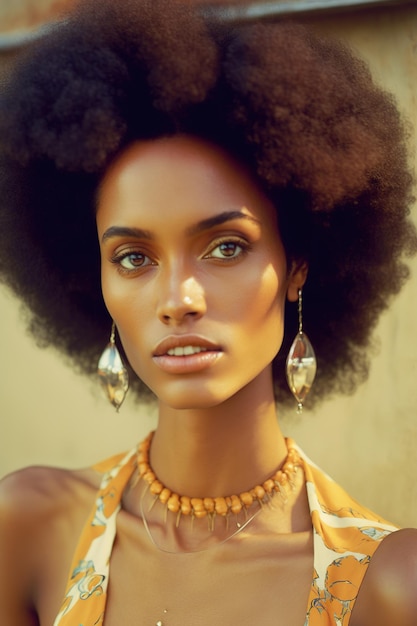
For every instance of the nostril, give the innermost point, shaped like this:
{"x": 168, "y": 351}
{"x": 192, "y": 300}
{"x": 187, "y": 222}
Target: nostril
{"x": 167, "y": 318}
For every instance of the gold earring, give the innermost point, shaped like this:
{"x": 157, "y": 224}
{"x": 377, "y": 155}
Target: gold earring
{"x": 301, "y": 365}
{"x": 112, "y": 373}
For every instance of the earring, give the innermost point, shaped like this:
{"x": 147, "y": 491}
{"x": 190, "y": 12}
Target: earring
{"x": 112, "y": 373}
{"x": 301, "y": 362}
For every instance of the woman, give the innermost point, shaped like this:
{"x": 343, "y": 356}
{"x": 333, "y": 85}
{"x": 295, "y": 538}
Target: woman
{"x": 217, "y": 183}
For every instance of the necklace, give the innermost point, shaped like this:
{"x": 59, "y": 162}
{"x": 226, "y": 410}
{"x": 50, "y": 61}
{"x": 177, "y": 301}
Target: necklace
{"x": 212, "y": 507}
{"x": 201, "y": 545}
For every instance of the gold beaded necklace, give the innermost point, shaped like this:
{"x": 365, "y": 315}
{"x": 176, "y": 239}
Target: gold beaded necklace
{"x": 223, "y": 506}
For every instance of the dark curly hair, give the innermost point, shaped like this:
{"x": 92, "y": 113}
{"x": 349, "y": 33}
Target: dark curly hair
{"x": 325, "y": 144}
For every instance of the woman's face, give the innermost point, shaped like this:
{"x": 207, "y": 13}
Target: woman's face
{"x": 194, "y": 272}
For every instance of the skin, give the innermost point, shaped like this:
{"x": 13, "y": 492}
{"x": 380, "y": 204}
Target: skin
{"x": 186, "y": 286}
{"x": 226, "y": 284}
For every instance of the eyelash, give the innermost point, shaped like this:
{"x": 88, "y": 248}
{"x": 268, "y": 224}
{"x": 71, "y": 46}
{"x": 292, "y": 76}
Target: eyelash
{"x": 238, "y": 242}
{"x": 119, "y": 258}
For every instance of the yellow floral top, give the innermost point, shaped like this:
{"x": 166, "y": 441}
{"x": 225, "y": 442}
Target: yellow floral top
{"x": 346, "y": 536}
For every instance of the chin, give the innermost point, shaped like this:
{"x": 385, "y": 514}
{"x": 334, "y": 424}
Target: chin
{"x": 188, "y": 396}
{"x": 190, "y": 401}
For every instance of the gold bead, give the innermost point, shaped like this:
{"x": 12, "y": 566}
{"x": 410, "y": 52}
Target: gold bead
{"x": 165, "y": 495}
{"x": 246, "y": 498}
{"x": 269, "y": 485}
{"x": 198, "y": 509}
{"x": 173, "y": 503}
{"x": 185, "y": 505}
{"x": 259, "y": 492}
{"x": 236, "y": 505}
{"x": 221, "y": 507}
{"x": 283, "y": 479}
{"x": 288, "y": 468}
{"x": 149, "y": 477}
{"x": 209, "y": 505}
{"x": 156, "y": 487}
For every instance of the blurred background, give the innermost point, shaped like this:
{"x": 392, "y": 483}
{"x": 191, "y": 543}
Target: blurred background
{"x": 367, "y": 442}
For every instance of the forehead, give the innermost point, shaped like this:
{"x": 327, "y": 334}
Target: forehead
{"x": 180, "y": 175}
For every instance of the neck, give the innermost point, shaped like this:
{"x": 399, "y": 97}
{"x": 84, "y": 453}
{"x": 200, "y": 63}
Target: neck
{"x": 219, "y": 450}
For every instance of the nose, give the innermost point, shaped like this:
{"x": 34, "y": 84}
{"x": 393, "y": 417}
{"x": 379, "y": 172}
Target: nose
{"x": 181, "y": 300}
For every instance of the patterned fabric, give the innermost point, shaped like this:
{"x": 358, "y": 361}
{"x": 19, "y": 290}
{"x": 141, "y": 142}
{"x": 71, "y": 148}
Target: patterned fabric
{"x": 346, "y": 536}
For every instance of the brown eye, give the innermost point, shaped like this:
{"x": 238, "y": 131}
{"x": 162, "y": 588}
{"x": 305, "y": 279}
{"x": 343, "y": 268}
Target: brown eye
{"x": 227, "y": 249}
{"x": 131, "y": 261}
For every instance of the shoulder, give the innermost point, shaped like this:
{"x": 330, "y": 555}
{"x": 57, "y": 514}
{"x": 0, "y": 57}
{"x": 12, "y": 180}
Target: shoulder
{"x": 42, "y": 511}
{"x": 389, "y": 591}
{"x": 33, "y": 493}
{"x": 36, "y": 500}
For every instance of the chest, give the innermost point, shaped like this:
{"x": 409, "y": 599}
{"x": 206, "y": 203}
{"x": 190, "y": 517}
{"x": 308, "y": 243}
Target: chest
{"x": 245, "y": 581}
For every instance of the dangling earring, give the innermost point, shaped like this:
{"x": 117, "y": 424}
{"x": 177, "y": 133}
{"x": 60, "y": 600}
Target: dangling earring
{"x": 301, "y": 363}
{"x": 112, "y": 373}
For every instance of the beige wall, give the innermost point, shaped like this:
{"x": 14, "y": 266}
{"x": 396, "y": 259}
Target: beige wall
{"x": 368, "y": 441}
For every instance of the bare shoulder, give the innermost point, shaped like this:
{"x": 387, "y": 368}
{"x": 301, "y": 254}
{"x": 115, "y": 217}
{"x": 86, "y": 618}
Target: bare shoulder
{"x": 38, "y": 480}
{"x": 389, "y": 591}
{"x": 42, "y": 512}
{"x": 29, "y": 496}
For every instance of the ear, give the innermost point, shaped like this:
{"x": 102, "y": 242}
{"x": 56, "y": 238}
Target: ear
{"x": 296, "y": 279}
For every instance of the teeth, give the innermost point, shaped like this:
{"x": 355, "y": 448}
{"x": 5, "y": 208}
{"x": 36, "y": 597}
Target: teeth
{"x": 185, "y": 350}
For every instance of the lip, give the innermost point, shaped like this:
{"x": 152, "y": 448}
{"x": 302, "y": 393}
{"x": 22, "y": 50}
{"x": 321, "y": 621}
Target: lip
{"x": 190, "y": 363}
{"x": 178, "y": 341}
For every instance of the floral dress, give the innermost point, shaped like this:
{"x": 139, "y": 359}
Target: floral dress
{"x": 346, "y": 536}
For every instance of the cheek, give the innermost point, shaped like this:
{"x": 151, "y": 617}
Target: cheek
{"x": 124, "y": 307}
{"x": 133, "y": 311}
{"x": 263, "y": 298}
{"x": 263, "y": 330}
{"x": 113, "y": 294}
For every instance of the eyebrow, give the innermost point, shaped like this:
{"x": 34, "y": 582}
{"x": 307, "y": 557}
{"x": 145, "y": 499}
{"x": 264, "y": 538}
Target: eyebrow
{"x": 210, "y": 222}
{"x": 221, "y": 218}
{"x": 123, "y": 231}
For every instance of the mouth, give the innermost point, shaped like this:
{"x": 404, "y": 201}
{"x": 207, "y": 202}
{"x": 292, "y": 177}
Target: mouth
{"x": 185, "y": 350}
{"x": 185, "y": 345}
{"x": 186, "y": 354}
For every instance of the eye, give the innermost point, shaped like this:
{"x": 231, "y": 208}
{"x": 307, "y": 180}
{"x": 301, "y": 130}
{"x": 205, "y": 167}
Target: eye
{"x": 131, "y": 261}
{"x": 227, "y": 249}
